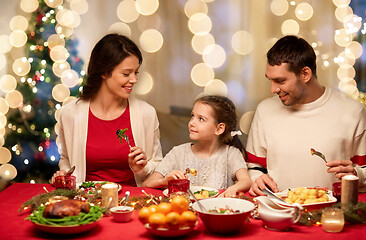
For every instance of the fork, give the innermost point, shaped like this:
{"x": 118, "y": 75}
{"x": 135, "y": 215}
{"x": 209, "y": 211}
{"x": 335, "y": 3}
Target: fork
{"x": 121, "y": 134}
{"x": 319, "y": 154}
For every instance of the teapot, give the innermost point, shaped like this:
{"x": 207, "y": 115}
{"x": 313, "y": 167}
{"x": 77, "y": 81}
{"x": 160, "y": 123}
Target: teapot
{"x": 277, "y": 215}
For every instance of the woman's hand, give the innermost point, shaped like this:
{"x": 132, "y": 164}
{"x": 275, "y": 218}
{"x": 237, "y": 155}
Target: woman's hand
{"x": 58, "y": 173}
{"x": 175, "y": 174}
{"x": 137, "y": 159}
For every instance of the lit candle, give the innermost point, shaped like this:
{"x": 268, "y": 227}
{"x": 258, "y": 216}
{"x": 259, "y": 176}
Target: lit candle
{"x": 332, "y": 220}
{"x": 109, "y": 195}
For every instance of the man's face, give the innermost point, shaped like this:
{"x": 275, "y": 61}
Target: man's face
{"x": 289, "y": 87}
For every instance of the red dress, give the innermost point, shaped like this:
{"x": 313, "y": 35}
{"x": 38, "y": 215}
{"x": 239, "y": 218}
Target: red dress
{"x": 106, "y": 157}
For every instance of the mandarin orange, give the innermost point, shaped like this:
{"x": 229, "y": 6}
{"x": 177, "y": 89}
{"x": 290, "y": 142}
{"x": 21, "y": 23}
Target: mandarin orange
{"x": 179, "y": 204}
{"x": 164, "y": 208}
{"x": 188, "y": 218}
{"x": 157, "y": 220}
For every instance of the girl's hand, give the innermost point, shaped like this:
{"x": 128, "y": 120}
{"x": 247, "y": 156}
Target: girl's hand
{"x": 58, "y": 173}
{"x": 175, "y": 174}
{"x": 229, "y": 192}
{"x": 137, "y": 159}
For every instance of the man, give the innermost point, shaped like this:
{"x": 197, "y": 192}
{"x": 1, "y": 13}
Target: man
{"x": 303, "y": 116}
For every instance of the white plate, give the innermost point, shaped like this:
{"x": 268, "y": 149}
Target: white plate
{"x": 79, "y": 184}
{"x": 164, "y": 232}
{"x": 329, "y": 193}
{"x": 195, "y": 189}
{"x": 74, "y": 229}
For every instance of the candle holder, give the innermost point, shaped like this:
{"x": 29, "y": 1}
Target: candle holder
{"x": 332, "y": 220}
{"x": 109, "y": 195}
{"x": 337, "y": 190}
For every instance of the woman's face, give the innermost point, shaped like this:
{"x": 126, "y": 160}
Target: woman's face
{"x": 122, "y": 78}
{"x": 203, "y": 125}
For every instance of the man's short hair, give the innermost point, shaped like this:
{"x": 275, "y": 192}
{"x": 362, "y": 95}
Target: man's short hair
{"x": 295, "y": 51}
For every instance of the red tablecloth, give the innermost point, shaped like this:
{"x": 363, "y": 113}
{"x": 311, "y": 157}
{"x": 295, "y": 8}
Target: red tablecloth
{"x": 13, "y": 225}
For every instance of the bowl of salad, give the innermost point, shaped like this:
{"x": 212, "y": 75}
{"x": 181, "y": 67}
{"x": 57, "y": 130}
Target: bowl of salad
{"x": 224, "y": 215}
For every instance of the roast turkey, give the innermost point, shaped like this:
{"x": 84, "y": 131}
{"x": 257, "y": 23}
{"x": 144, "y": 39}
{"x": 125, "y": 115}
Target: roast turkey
{"x": 65, "y": 208}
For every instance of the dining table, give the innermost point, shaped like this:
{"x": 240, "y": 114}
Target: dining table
{"x": 14, "y": 226}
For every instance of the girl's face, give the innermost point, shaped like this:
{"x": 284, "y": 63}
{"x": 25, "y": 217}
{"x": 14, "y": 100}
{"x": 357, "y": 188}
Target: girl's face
{"x": 122, "y": 78}
{"x": 203, "y": 125}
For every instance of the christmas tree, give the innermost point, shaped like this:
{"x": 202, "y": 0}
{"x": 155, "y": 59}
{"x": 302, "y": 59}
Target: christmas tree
{"x": 55, "y": 74}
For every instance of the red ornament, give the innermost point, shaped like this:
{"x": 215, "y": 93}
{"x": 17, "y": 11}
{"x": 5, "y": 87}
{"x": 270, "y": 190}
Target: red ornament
{"x": 39, "y": 18}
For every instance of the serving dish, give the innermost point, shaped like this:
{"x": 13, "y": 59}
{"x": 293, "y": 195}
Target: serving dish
{"x": 224, "y": 223}
{"x": 195, "y": 189}
{"x": 65, "y": 230}
{"x": 310, "y": 206}
{"x": 165, "y": 232}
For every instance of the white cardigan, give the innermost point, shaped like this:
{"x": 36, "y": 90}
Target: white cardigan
{"x": 73, "y": 135}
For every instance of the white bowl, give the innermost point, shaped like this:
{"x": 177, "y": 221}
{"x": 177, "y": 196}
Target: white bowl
{"x": 122, "y": 213}
{"x": 224, "y": 223}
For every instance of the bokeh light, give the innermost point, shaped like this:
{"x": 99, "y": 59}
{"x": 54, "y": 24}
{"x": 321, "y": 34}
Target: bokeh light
{"x": 200, "y": 24}
{"x": 201, "y": 74}
{"x": 144, "y": 84}
{"x": 342, "y": 12}
{"x": 151, "y": 40}
{"x": 53, "y": 3}
{"x": 215, "y": 87}
{"x": 195, "y": 6}
{"x": 345, "y": 72}
{"x": 246, "y": 121}
{"x": 5, "y": 45}
{"x": 29, "y": 5}
{"x": 18, "y": 38}
{"x": 127, "y": 12}
{"x": 242, "y": 42}
{"x": 214, "y": 55}
{"x": 55, "y": 40}
{"x": 341, "y": 3}
{"x": 69, "y": 78}
{"x": 354, "y": 49}
{"x": 68, "y": 18}
{"x": 147, "y": 7}
{"x": 290, "y": 27}
{"x": 8, "y": 172}
{"x": 346, "y": 60}
{"x": 120, "y": 28}
{"x": 60, "y": 92}
{"x": 3, "y": 120}
{"x": 14, "y": 99}
{"x": 352, "y": 23}
{"x": 200, "y": 42}
{"x": 64, "y": 30}
{"x": 8, "y": 83}
{"x": 4, "y": 107}
{"x": 21, "y": 66}
{"x": 59, "y": 54}
{"x": 18, "y": 23}
{"x": 279, "y": 7}
{"x": 304, "y": 11}
{"x": 342, "y": 38}
{"x": 79, "y": 6}
{"x": 59, "y": 68}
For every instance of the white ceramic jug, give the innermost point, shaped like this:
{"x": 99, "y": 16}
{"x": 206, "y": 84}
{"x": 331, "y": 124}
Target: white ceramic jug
{"x": 277, "y": 216}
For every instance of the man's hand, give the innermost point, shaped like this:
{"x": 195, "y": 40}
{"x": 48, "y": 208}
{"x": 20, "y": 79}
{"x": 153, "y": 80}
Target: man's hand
{"x": 262, "y": 182}
{"x": 341, "y": 168}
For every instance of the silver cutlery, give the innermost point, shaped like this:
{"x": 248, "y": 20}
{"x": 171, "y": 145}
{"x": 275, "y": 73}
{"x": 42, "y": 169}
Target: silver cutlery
{"x": 319, "y": 154}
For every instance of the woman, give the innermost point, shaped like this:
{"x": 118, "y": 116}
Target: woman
{"x": 89, "y": 124}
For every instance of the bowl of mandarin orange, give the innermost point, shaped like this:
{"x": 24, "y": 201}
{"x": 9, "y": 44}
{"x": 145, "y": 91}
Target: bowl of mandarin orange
{"x": 168, "y": 219}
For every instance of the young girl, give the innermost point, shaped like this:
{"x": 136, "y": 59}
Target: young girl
{"x": 216, "y": 153}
